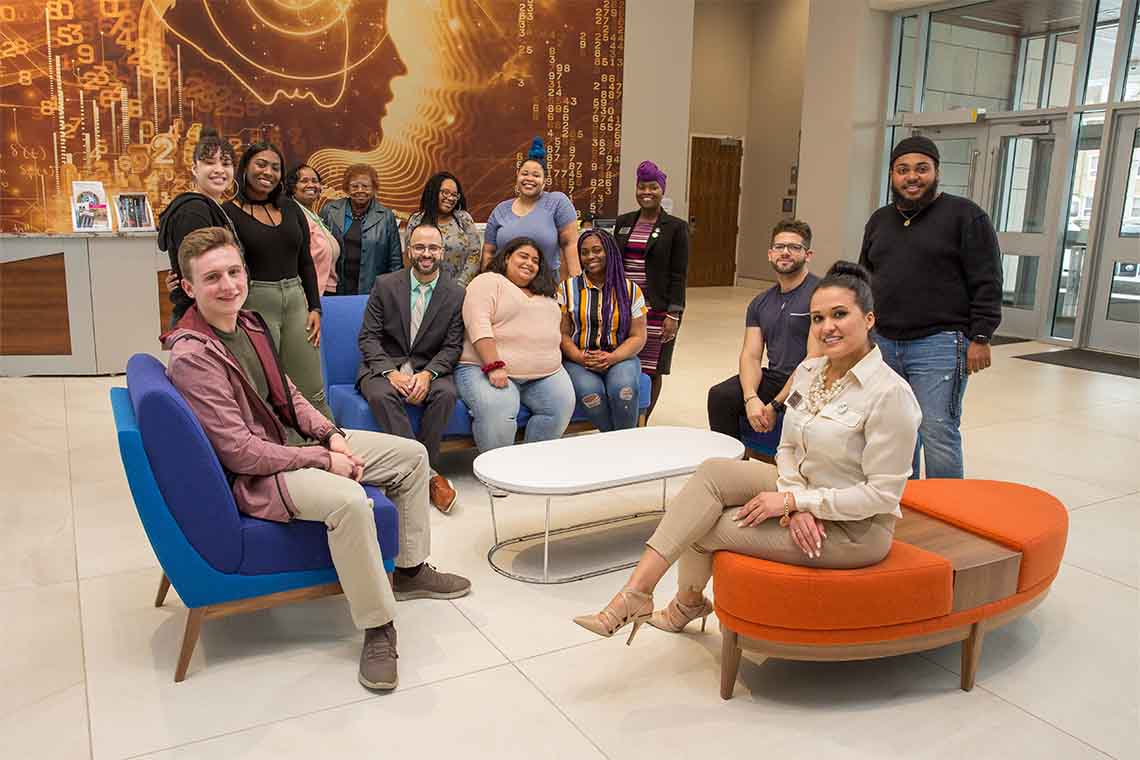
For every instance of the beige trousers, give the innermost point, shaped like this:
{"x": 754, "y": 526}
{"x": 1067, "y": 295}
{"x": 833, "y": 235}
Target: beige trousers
{"x": 397, "y": 465}
{"x": 698, "y": 522}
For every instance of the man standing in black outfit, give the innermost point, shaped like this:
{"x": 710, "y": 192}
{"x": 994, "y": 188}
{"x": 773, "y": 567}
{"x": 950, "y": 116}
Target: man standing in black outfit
{"x": 936, "y": 277}
{"x": 778, "y": 320}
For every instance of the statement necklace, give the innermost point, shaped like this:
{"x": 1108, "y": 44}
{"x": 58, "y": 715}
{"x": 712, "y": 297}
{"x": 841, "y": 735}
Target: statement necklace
{"x": 820, "y": 395}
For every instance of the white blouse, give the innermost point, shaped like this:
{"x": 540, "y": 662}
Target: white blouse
{"x": 852, "y": 459}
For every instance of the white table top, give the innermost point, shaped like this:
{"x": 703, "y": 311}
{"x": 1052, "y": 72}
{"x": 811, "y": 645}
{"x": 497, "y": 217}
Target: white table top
{"x": 583, "y": 463}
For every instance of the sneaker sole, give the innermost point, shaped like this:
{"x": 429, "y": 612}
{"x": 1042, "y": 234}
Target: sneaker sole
{"x": 407, "y": 596}
{"x": 378, "y": 685}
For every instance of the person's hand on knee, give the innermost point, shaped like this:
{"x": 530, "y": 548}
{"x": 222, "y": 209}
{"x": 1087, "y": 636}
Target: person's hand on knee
{"x": 808, "y": 533}
{"x": 759, "y": 508}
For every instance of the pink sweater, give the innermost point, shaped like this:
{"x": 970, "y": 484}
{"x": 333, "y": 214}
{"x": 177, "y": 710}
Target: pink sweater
{"x": 526, "y": 328}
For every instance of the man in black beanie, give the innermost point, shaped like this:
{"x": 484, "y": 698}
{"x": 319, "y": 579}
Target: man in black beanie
{"x": 936, "y": 279}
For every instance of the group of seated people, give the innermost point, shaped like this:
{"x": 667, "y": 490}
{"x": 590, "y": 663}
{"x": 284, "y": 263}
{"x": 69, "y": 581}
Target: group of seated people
{"x": 517, "y": 335}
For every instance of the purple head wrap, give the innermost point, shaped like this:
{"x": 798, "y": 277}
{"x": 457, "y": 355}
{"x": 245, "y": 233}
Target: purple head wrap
{"x": 647, "y": 171}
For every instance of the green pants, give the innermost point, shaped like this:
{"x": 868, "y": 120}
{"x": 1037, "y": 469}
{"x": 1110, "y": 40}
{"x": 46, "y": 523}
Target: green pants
{"x": 283, "y": 307}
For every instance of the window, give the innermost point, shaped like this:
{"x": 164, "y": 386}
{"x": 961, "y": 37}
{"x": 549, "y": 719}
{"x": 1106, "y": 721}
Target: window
{"x": 1132, "y": 73}
{"x": 908, "y": 47}
{"x": 1094, "y": 164}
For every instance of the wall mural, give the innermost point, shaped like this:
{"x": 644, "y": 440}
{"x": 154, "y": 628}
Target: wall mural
{"x": 117, "y": 91}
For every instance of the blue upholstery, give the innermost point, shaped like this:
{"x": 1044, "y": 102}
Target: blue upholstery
{"x": 210, "y": 552}
{"x": 341, "y": 318}
{"x": 761, "y": 443}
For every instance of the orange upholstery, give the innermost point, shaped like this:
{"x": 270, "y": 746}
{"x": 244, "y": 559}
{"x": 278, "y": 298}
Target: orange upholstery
{"x": 910, "y": 585}
{"x": 1024, "y": 519}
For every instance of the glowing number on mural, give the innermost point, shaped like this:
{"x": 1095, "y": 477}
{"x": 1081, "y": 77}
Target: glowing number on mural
{"x": 86, "y": 54}
{"x": 7, "y": 14}
{"x": 60, "y": 10}
{"x": 162, "y": 150}
{"x": 68, "y": 34}
{"x": 146, "y": 131}
{"x": 47, "y": 107}
{"x": 25, "y": 78}
{"x": 14, "y": 47}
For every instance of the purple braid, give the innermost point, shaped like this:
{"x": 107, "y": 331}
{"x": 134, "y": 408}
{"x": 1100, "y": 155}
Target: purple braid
{"x": 615, "y": 291}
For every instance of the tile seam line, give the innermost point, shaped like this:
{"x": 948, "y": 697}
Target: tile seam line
{"x": 351, "y": 703}
{"x": 533, "y": 685}
{"x": 1101, "y": 501}
{"x": 1101, "y": 575}
{"x": 1019, "y": 708}
{"x": 78, "y": 589}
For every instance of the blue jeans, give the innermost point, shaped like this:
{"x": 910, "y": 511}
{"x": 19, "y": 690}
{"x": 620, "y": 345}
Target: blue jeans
{"x": 610, "y": 400}
{"x": 935, "y": 367}
{"x": 495, "y": 410}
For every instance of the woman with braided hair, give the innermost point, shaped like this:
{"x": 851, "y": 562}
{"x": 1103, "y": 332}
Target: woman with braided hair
{"x": 603, "y": 330}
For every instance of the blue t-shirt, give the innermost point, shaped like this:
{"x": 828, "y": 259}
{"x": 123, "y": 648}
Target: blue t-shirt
{"x": 553, "y": 211}
{"x": 784, "y": 318}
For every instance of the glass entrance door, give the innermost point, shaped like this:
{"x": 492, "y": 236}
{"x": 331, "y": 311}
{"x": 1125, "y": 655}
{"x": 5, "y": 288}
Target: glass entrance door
{"x": 1115, "y": 318}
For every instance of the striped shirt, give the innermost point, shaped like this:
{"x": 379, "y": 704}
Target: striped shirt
{"x": 582, "y": 301}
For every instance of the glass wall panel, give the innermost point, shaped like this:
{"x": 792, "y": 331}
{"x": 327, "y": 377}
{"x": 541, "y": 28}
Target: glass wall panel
{"x": 1132, "y": 74}
{"x": 1061, "y": 72}
{"x": 1019, "y": 281}
{"x": 971, "y": 61}
{"x": 908, "y": 49}
{"x": 1032, "y": 74}
{"x": 1076, "y": 240}
{"x": 1021, "y": 183}
{"x": 1124, "y": 298}
{"x": 1130, "y": 224}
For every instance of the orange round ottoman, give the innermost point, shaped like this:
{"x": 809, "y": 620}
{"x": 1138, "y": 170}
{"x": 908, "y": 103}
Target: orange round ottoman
{"x": 968, "y": 557}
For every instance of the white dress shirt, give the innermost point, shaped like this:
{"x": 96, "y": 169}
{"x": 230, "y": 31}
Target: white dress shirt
{"x": 852, "y": 459}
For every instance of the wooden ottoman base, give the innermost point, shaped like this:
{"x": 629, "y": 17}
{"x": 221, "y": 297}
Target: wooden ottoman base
{"x": 971, "y": 635}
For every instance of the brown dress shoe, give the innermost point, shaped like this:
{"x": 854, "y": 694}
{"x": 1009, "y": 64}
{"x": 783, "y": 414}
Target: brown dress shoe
{"x": 441, "y": 493}
{"x": 378, "y": 658}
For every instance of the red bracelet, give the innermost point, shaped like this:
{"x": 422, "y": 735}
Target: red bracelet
{"x": 488, "y": 368}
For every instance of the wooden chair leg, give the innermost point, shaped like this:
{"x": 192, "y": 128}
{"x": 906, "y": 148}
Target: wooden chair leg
{"x": 163, "y": 587}
{"x": 729, "y": 662}
{"x": 971, "y": 655}
{"x": 189, "y": 640}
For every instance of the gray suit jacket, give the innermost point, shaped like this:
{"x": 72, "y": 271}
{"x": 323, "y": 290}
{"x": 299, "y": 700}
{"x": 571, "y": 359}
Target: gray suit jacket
{"x": 384, "y": 340}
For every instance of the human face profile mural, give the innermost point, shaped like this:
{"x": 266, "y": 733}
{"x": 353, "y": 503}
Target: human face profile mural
{"x": 118, "y": 91}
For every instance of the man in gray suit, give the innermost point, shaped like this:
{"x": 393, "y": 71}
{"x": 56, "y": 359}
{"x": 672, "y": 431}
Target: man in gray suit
{"x": 410, "y": 342}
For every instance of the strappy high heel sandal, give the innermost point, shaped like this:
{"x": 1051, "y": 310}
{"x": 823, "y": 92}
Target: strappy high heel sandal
{"x": 676, "y": 615}
{"x": 628, "y": 607}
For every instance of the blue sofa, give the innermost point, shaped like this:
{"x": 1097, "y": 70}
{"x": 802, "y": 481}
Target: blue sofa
{"x": 219, "y": 560}
{"x": 341, "y": 318}
{"x": 761, "y": 445}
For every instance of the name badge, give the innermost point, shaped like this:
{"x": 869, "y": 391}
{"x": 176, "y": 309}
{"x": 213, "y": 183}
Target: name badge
{"x": 623, "y": 231}
{"x": 794, "y": 400}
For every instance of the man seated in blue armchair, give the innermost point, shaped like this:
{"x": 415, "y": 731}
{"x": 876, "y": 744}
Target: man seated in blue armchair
{"x": 286, "y": 461}
{"x": 409, "y": 345}
{"x": 777, "y": 321}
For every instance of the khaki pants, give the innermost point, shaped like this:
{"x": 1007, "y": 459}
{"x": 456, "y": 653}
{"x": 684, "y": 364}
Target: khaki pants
{"x": 400, "y": 467}
{"x": 286, "y": 312}
{"x": 698, "y": 522}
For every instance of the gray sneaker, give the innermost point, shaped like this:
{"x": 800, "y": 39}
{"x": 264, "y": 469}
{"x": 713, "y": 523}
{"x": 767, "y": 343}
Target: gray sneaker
{"x": 429, "y": 583}
{"x": 378, "y": 658}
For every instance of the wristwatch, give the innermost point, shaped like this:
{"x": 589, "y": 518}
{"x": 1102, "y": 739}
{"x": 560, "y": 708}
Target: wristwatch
{"x": 778, "y": 406}
{"x": 981, "y": 340}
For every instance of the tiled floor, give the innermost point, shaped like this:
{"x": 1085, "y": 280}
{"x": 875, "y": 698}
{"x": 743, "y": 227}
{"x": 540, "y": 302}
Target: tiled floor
{"x": 86, "y": 661}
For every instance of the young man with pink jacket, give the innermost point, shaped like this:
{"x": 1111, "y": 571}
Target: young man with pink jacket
{"x": 287, "y": 461}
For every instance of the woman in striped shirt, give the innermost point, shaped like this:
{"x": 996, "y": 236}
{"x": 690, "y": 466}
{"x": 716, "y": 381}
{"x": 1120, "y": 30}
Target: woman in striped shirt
{"x": 603, "y": 330}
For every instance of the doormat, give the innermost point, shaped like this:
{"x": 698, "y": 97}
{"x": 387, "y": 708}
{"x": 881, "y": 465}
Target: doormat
{"x": 1093, "y": 361}
{"x": 1005, "y": 340}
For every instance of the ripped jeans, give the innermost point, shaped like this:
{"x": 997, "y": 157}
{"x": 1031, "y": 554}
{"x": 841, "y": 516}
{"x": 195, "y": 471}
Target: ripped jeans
{"x": 610, "y": 400}
{"x": 935, "y": 367}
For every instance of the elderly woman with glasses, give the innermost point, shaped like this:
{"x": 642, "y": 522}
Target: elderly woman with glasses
{"x": 603, "y": 329}
{"x": 366, "y": 231}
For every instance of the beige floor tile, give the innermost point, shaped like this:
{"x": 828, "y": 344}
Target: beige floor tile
{"x": 1074, "y": 492}
{"x": 248, "y": 669}
{"x": 54, "y": 728}
{"x": 1103, "y": 539}
{"x": 32, "y": 402}
{"x": 660, "y": 698}
{"x": 38, "y": 529}
{"x": 496, "y": 714}
{"x": 1072, "y": 662}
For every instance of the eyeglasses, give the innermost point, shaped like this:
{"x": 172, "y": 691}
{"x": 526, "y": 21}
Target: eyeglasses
{"x": 353, "y": 186}
{"x": 448, "y": 194}
{"x": 422, "y": 247}
{"x": 789, "y": 247}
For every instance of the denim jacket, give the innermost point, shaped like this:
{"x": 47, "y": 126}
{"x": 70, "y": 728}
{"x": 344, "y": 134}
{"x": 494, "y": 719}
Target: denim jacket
{"x": 379, "y": 242}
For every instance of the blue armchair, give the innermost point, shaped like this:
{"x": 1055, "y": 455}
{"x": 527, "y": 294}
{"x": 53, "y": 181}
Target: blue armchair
{"x": 220, "y": 561}
{"x": 341, "y": 318}
{"x": 761, "y": 446}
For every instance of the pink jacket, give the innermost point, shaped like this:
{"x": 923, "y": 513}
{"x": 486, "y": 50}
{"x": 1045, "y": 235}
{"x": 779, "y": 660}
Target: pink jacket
{"x": 248, "y": 434}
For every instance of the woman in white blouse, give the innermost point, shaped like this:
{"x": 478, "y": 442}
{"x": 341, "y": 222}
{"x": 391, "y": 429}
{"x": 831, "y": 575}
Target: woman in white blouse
{"x": 832, "y": 499}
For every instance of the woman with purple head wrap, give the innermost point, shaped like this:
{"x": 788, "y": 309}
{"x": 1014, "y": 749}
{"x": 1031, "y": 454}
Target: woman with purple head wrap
{"x": 655, "y": 252}
{"x": 603, "y": 329}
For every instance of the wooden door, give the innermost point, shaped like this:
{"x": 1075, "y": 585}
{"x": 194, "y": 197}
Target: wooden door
{"x": 714, "y": 200}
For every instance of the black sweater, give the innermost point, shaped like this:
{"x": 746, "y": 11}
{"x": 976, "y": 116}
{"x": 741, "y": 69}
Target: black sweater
{"x": 941, "y": 273}
{"x": 278, "y": 253}
{"x": 183, "y": 215}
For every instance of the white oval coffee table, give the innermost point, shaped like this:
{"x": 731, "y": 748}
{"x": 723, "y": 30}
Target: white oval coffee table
{"x": 587, "y": 463}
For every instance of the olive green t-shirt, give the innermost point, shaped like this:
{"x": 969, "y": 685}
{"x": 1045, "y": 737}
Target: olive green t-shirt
{"x": 241, "y": 348}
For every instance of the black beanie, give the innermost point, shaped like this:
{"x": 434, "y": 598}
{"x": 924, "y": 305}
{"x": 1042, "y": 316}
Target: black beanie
{"x": 916, "y": 144}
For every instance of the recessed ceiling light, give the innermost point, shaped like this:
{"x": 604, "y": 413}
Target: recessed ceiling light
{"x": 991, "y": 21}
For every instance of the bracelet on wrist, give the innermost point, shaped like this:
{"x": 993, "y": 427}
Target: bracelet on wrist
{"x": 492, "y": 366}
{"x": 787, "y": 518}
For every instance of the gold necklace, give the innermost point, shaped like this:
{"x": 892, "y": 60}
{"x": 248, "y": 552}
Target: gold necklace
{"x": 908, "y": 218}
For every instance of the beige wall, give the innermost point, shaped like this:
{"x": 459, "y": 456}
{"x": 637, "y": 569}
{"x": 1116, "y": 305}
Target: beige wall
{"x": 845, "y": 96}
{"x": 655, "y": 96}
{"x": 779, "y": 47}
{"x": 722, "y": 74}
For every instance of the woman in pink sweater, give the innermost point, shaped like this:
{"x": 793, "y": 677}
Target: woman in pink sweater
{"x": 512, "y": 352}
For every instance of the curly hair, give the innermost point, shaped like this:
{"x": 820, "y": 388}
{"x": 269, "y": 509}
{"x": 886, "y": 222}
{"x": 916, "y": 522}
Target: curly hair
{"x": 429, "y": 201}
{"x": 543, "y": 283}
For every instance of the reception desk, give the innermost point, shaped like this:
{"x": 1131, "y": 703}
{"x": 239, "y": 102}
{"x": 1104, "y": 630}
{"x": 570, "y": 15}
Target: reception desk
{"x": 79, "y": 304}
